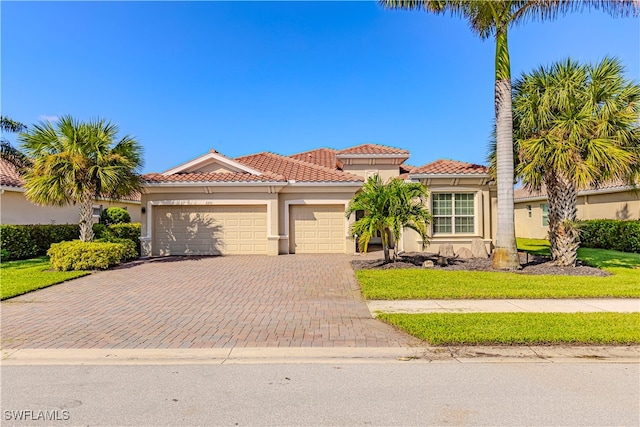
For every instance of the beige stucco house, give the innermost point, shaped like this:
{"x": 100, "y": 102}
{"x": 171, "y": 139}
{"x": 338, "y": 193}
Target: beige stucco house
{"x": 17, "y": 210}
{"x": 611, "y": 201}
{"x": 272, "y": 204}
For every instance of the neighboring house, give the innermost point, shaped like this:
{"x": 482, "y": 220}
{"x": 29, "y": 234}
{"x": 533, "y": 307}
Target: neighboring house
{"x": 611, "y": 201}
{"x": 271, "y": 204}
{"x": 16, "y": 209}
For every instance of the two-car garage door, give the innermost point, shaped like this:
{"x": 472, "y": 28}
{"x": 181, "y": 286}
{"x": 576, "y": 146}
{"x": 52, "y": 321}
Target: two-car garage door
{"x": 210, "y": 230}
{"x": 242, "y": 229}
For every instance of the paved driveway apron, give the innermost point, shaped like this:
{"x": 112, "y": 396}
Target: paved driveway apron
{"x": 235, "y": 301}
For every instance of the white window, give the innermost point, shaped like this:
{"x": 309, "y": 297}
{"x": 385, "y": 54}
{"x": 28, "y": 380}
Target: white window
{"x": 97, "y": 210}
{"x": 453, "y": 213}
{"x": 545, "y": 214}
{"x": 529, "y": 211}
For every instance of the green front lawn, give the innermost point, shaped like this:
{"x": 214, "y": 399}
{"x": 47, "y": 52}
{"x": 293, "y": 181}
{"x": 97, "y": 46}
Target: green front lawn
{"x": 20, "y": 277}
{"x": 519, "y": 328}
{"x": 437, "y": 284}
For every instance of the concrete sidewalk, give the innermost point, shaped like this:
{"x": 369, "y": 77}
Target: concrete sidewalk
{"x": 617, "y": 305}
{"x": 261, "y": 355}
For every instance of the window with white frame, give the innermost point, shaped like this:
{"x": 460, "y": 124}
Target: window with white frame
{"x": 545, "y": 214}
{"x": 529, "y": 214}
{"x": 453, "y": 213}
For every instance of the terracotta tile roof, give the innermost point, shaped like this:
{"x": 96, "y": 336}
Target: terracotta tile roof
{"x": 322, "y": 156}
{"x": 446, "y": 167}
{"x": 372, "y": 149}
{"x": 135, "y": 197}
{"x": 9, "y": 175}
{"x": 294, "y": 169}
{"x": 204, "y": 177}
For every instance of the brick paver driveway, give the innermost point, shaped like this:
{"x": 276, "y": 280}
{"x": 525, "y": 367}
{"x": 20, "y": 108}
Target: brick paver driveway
{"x": 244, "y": 301}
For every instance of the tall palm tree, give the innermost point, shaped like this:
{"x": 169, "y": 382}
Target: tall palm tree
{"x": 7, "y": 151}
{"x": 76, "y": 162}
{"x": 388, "y": 208}
{"x": 575, "y": 126}
{"x": 486, "y": 19}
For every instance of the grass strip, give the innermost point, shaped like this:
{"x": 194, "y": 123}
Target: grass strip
{"x": 438, "y": 284}
{"x": 20, "y": 277}
{"x": 519, "y": 328}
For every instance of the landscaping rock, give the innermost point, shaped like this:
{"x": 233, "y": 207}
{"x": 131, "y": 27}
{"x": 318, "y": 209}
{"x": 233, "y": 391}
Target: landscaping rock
{"x": 428, "y": 264}
{"x": 446, "y": 251}
{"x": 443, "y": 261}
{"x": 478, "y": 249}
{"x": 464, "y": 253}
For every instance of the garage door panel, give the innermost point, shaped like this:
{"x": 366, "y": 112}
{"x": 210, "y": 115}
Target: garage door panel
{"x": 210, "y": 230}
{"x": 317, "y": 229}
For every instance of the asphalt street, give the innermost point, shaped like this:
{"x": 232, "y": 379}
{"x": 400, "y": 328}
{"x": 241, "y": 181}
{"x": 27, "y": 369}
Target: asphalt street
{"x": 392, "y": 393}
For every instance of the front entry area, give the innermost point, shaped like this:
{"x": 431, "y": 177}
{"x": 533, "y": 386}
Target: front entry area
{"x": 316, "y": 229}
{"x": 209, "y": 230}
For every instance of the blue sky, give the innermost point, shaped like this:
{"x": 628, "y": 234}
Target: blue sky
{"x": 244, "y": 77}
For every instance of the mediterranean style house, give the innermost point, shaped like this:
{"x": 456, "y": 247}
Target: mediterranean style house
{"x": 271, "y": 204}
{"x": 615, "y": 200}
{"x": 17, "y": 210}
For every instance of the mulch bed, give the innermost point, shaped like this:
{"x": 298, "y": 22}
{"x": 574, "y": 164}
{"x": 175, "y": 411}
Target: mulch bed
{"x": 531, "y": 264}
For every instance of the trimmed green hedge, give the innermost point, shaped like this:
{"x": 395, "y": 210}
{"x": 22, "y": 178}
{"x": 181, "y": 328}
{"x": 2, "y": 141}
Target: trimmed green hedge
{"x": 617, "y": 235}
{"x": 77, "y": 255}
{"x": 130, "y": 231}
{"x": 30, "y": 241}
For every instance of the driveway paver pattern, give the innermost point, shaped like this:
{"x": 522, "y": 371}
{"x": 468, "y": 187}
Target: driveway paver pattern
{"x": 209, "y": 302}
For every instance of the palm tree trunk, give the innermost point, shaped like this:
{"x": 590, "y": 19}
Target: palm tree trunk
{"x": 86, "y": 218}
{"x": 385, "y": 245}
{"x": 563, "y": 234}
{"x": 505, "y": 255}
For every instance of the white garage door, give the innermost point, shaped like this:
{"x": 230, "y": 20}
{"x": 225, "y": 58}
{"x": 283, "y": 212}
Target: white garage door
{"x": 317, "y": 229}
{"x": 210, "y": 230}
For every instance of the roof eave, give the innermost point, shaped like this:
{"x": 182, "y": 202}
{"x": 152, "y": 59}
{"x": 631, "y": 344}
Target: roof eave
{"x": 214, "y": 183}
{"x": 448, "y": 175}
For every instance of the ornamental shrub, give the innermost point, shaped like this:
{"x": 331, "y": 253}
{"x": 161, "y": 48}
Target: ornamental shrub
{"x": 114, "y": 215}
{"x": 611, "y": 234}
{"x": 16, "y": 240}
{"x": 130, "y": 250}
{"x": 77, "y": 255}
{"x": 129, "y": 231}
{"x": 29, "y": 241}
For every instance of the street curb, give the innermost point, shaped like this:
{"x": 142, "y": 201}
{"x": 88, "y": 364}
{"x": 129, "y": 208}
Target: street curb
{"x": 277, "y": 355}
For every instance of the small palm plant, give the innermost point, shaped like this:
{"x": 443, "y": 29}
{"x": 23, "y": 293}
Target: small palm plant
{"x": 388, "y": 208}
{"x": 77, "y": 162}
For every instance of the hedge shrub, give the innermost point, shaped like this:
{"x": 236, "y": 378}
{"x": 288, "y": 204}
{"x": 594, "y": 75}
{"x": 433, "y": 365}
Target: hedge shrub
{"x": 611, "y": 234}
{"x": 130, "y": 231}
{"x": 30, "y": 241}
{"x": 130, "y": 250}
{"x": 114, "y": 215}
{"x": 77, "y": 255}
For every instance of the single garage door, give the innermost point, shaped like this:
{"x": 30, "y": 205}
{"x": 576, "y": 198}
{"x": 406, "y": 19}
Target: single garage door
{"x": 317, "y": 229}
{"x": 210, "y": 230}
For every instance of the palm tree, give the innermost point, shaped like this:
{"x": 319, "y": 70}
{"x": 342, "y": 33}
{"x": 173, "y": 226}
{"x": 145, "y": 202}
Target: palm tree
{"x": 76, "y": 162}
{"x": 388, "y": 208}
{"x": 492, "y": 19}
{"x": 7, "y": 151}
{"x": 575, "y": 126}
